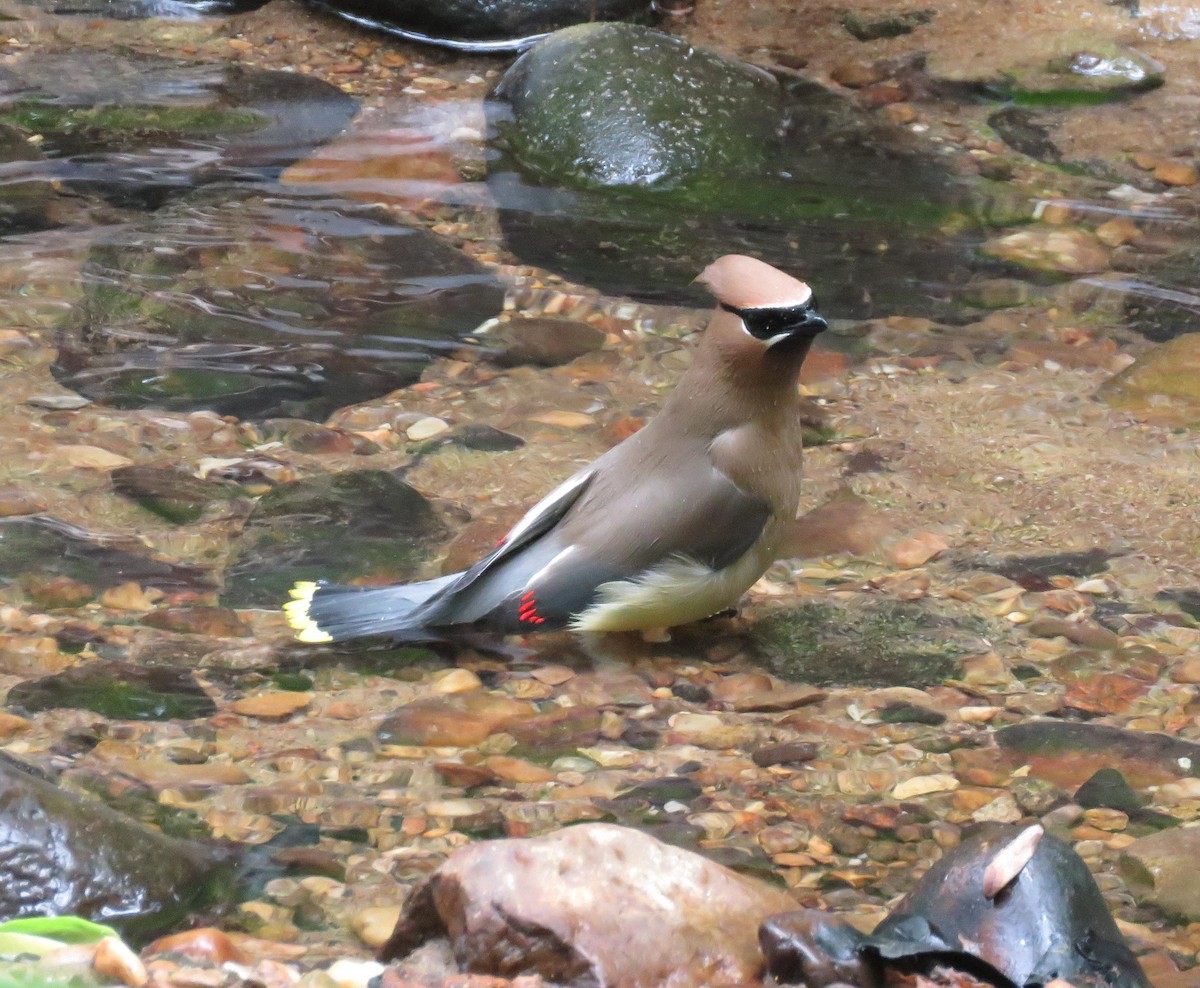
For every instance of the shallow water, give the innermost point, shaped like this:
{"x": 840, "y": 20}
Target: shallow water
{"x": 223, "y": 286}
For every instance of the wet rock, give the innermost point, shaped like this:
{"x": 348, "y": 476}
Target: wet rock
{"x": 1160, "y": 869}
{"x": 479, "y": 25}
{"x": 1109, "y": 789}
{"x": 1046, "y": 920}
{"x": 168, "y": 492}
{"x": 1057, "y": 69}
{"x": 593, "y": 902}
{"x": 339, "y": 527}
{"x": 117, "y": 690}
{"x": 897, "y": 643}
{"x": 487, "y": 439}
{"x": 64, "y": 855}
{"x": 561, "y": 731}
{"x": 356, "y": 306}
{"x": 1020, "y": 130}
{"x": 279, "y": 705}
{"x": 1060, "y": 738}
{"x": 128, "y": 127}
{"x": 596, "y": 177}
{"x": 886, "y": 27}
{"x": 37, "y": 549}
{"x": 1162, "y": 385}
{"x": 23, "y": 205}
{"x": 548, "y": 341}
{"x": 785, "y": 753}
{"x": 601, "y": 105}
{"x": 211, "y": 622}
{"x": 1034, "y": 572}
{"x": 1052, "y": 248}
{"x": 456, "y": 720}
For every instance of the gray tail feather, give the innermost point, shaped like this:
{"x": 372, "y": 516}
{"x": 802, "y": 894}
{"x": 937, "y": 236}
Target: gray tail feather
{"x": 324, "y": 612}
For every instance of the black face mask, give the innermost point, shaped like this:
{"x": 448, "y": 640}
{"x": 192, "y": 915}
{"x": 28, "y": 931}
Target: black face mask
{"x": 767, "y": 323}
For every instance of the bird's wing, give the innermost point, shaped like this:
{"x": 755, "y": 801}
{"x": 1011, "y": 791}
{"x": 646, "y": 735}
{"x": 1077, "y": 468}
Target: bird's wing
{"x": 720, "y": 523}
{"x": 535, "y": 523}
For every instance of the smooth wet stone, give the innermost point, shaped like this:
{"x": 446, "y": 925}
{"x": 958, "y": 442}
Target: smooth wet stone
{"x": 479, "y": 25}
{"x": 65, "y": 855}
{"x": 1108, "y": 788}
{"x": 888, "y": 644}
{"x": 458, "y": 720}
{"x": 349, "y": 306}
{"x": 279, "y": 705}
{"x": 38, "y": 549}
{"x": 118, "y": 690}
{"x": 23, "y": 205}
{"x": 597, "y": 179}
{"x": 1161, "y": 869}
{"x": 336, "y": 527}
{"x": 1049, "y": 921}
{"x": 170, "y": 493}
{"x": 593, "y": 903}
{"x": 128, "y": 127}
{"x": 1162, "y": 385}
{"x": 603, "y": 105}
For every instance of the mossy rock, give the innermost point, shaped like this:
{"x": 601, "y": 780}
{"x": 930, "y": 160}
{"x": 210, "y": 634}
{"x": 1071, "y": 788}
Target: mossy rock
{"x": 884, "y": 643}
{"x": 618, "y": 105}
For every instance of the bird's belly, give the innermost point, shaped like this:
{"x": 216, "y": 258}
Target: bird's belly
{"x": 676, "y": 591}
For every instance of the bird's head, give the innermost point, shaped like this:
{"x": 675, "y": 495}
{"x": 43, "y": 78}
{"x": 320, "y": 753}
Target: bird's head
{"x": 772, "y": 307}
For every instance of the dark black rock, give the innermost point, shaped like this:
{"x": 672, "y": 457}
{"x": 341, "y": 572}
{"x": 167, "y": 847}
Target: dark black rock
{"x": 1109, "y": 789}
{"x": 118, "y": 690}
{"x": 692, "y": 692}
{"x": 910, "y": 713}
{"x": 336, "y": 527}
{"x": 1049, "y": 922}
{"x": 479, "y": 25}
{"x": 66, "y": 855}
{"x": 487, "y": 439}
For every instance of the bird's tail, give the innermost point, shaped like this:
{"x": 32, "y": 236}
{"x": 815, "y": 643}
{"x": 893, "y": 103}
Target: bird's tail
{"x": 333, "y": 612}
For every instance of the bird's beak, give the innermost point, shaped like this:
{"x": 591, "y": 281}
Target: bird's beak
{"x": 813, "y": 322}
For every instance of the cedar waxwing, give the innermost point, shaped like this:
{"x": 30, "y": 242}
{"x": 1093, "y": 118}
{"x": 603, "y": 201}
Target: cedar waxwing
{"x": 670, "y": 526}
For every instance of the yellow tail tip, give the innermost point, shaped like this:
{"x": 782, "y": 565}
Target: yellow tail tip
{"x": 296, "y": 611}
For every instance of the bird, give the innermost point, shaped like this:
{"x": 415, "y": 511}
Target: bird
{"x": 670, "y": 526}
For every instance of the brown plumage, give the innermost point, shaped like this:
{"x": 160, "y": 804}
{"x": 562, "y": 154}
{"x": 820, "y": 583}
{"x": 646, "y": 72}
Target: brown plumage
{"x": 672, "y": 525}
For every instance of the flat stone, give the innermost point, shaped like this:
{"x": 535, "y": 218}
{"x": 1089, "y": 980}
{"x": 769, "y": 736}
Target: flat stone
{"x": 427, "y": 428}
{"x": 548, "y": 341}
{"x": 786, "y": 753}
{"x": 593, "y": 903}
{"x": 272, "y": 706}
{"x": 924, "y": 785}
{"x": 1161, "y": 386}
{"x": 374, "y": 925}
{"x": 1052, "y": 248}
{"x": 519, "y": 770}
{"x": 457, "y": 720}
{"x": 1161, "y": 869}
{"x": 160, "y": 774}
{"x": 456, "y": 681}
